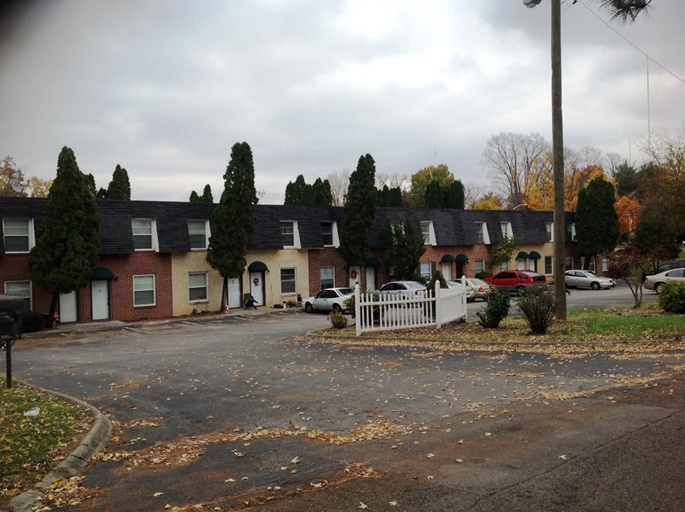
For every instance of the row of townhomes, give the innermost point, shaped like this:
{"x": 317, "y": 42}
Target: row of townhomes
{"x": 152, "y": 256}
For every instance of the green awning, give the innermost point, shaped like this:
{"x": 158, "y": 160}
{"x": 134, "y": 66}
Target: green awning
{"x": 534, "y": 255}
{"x": 522, "y": 255}
{"x": 461, "y": 258}
{"x": 356, "y": 263}
{"x": 257, "y": 266}
{"x": 447, "y": 258}
{"x": 102, "y": 274}
{"x": 373, "y": 262}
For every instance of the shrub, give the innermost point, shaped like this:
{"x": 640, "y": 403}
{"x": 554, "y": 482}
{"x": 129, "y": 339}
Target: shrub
{"x": 496, "y": 309}
{"x": 537, "y": 309}
{"x": 672, "y": 297}
{"x": 338, "y": 320}
{"x": 483, "y": 275}
{"x": 32, "y": 321}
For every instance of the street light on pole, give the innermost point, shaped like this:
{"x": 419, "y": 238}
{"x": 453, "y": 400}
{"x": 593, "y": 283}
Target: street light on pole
{"x": 558, "y": 154}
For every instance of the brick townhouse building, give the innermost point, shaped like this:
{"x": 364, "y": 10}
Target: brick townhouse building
{"x": 153, "y": 254}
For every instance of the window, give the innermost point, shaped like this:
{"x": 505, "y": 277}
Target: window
{"x": 479, "y": 266}
{"x": 550, "y": 231}
{"x": 507, "y": 232}
{"x": 428, "y": 233}
{"x": 605, "y": 264}
{"x": 548, "y": 265}
{"x": 18, "y": 235}
{"x": 142, "y": 234}
{"x": 482, "y": 233}
{"x": 427, "y": 269}
{"x": 144, "y": 290}
{"x": 288, "y": 285}
{"x": 197, "y": 287}
{"x": 197, "y": 231}
{"x": 571, "y": 231}
{"x": 327, "y": 277}
{"x": 569, "y": 262}
{"x": 288, "y": 233}
{"x": 504, "y": 266}
{"x": 20, "y": 289}
{"x": 327, "y": 233}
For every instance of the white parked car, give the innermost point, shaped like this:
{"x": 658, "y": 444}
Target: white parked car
{"x": 457, "y": 284}
{"x": 479, "y": 287}
{"x": 657, "y": 281}
{"x": 328, "y": 299}
{"x": 404, "y": 288}
{"x": 587, "y": 279}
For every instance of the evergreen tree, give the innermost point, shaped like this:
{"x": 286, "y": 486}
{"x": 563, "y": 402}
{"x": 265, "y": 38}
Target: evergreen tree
{"x": 194, "y": 198}
{"x": 90, "y": 181}
{"x": 359, "y": 212}
{"x": 298, "y": 192}
{"x": 597, "y": 226}
{"x": 119, "y": 187}
{"x": 435, "y": 195}
{"x": 405, "y": 251}
{"x": 207, "y": 196}
{"x": 234, "y": 218}
{"x": 102, "y": 193}
{"x": 321, "y": 193}
{"x": 455, "y": 196}
{"x": 68, "y": 242}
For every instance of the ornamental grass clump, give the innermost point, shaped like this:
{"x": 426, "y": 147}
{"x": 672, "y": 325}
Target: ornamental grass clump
{"x": 537, "y": 309}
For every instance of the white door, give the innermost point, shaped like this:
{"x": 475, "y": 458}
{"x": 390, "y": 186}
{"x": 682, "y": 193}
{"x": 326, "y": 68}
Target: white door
{"x": 370, "y": 278}
{"x": 234, "y": 297}
{"x": 447, "y": 271}
{"x": 100, "y": 299}
{"x": 257, "y": 287}
{"x": 67, "y": 307}
{"x": 354, "y": 276}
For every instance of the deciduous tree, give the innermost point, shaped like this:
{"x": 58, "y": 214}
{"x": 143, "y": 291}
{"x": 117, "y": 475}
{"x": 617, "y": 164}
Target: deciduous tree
{"x": 39, "y": 187}
{"x": 67, "y": 242}
{"x": 11, "y": 176}
{"x": 422, "y": 178}
{"x": 597, "y": 227}
{"x": 234, "y": 218}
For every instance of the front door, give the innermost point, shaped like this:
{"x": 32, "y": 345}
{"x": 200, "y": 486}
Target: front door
{"x": 67, "y": 307}
{"x": 257, "y": 287}
{"x": 234, "y": 293}
{"x": 370, "y": 278}
{"x": 99, "y": 292}
{"x": 354, "y": 276}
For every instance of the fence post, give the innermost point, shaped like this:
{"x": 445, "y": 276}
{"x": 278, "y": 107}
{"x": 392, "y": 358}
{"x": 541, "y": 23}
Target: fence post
{"x": 357, "y": 310}
{"x": 465, "y": 304}
{"x": 438, "y": 319}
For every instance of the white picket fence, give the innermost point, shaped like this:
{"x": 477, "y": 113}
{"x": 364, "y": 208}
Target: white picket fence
{"x": 385, "y": 312}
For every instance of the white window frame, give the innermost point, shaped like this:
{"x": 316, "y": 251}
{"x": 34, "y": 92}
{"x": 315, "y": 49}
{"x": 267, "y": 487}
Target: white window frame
{"x": 504, "y": 266}
{"x": 24, "y": 296}
{"x": 154, "y": 290}
{"x": 479, "y": 266}
{"x": 549, "y": 263}
{"x": 426, "y": 269}
{"x": 428, "y": 232}
{"x": 295, "y": 234}
{"x": 334, "y": 233}
{"x": 154, "y": 244}
{"x": 293, "y": 281}
{"x": 191, "y": 287}
{"x": 605, "y": 264}
{"x": 331, "y": 279}
{"x": 205, "y": 233}
{"x": 483, "y": 235}
{"x": 30, "y": 234}
{"x": 507, "y": 231}
{"x": 550, "y": 231}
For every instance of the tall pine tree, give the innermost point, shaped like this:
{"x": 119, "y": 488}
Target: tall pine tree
{"x": 119, "y": 187}
{"x": 359, "y": 212}
{"x": 68, "y": 240}
{"x": 234, "y": 218}
{"x": 597, "y": 226}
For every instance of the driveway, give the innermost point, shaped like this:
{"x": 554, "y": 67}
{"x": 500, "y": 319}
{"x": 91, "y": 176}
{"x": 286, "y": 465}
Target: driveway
{"x": 245, "y": 412}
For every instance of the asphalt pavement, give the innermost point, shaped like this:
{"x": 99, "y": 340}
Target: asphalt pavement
{"x": 242, "y": 411}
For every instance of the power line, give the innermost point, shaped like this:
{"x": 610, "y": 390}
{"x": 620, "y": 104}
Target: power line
{"x": 629, "y": 42}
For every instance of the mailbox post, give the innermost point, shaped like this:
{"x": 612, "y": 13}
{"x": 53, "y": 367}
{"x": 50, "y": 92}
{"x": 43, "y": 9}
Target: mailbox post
{"x": 10, "y": 328}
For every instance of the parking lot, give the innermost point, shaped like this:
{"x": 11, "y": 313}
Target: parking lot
{"x": 245, "y": 411}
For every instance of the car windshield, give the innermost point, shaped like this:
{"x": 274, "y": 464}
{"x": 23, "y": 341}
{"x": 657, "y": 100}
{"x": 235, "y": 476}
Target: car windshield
{"x": 477, "y": 282}
{"x": 413, "y": 285}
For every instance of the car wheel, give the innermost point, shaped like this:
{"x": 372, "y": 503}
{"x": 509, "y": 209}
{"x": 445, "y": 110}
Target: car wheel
{"x": 657, "y": 287}
{"x": 336, "y": 308}
{"x": 308, "y": 307}
{"x": 520, "y": 290}
{"x": 594, "y": 285}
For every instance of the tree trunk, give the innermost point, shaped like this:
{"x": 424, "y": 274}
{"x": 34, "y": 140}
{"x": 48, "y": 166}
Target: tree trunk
{"x": 53, "y": 308}
{"x": 224, "y": 295}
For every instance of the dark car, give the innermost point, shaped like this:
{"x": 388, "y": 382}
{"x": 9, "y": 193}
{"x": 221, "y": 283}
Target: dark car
{"x": 517, "y": 281}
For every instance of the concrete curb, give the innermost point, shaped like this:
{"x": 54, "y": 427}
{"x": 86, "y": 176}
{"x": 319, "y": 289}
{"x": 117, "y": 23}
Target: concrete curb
{"x": 94, "y": 441}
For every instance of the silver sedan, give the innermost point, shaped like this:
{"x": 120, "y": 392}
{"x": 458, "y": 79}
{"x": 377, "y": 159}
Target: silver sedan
{"x": 329, "y": 299}
{"x": 587, "y": 279}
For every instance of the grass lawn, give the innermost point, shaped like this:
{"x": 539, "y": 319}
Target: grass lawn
{"x": 30, "y": 446}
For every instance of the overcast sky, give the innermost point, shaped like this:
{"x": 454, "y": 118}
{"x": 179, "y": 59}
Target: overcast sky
{"x": 166, "y": 87}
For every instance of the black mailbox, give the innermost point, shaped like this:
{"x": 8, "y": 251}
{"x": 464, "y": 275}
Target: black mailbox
{"x": 10, "y": 327}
